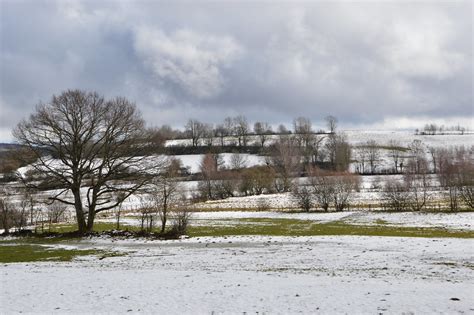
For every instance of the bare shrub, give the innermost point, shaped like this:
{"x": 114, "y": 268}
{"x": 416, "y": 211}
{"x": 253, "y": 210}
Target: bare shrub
{"x": 322, "y": 188}
{"x": 181, "y": 217}
{"x": 263, "y": 205}
{"x": 165, "y": 192}
{"x": 417, "y": 181}
{"x": 333, "y": 188}
{"x": 395, "y": 195}
{"x": 6, "y": 212}
{"x": 303, "y": 196}
{"x": 285, "y": 159}
{"x": 55, "y": 213}
{"x": 344, "y": 186}
{"x": 147, "y": 214}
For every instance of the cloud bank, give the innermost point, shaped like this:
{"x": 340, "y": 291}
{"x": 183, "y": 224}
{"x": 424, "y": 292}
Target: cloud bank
{"x": 368, "y": 63}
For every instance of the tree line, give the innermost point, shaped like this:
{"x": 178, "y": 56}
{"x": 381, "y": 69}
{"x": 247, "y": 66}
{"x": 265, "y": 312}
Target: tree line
{"x": 97, "y": 152}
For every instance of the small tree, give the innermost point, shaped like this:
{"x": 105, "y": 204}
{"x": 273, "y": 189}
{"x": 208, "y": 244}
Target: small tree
{"x": 238, "y": 161}
{"x": 208, "y": 168}
{"x": 181, "y": 217}
{"x": 417, "y": 181}
{"x": 6, "y": 212}
{"x": 395, "y": 195}
{"x": 55, "y": 213}
{"x": 302, "y": 131}
{"x": 195, "y": 130}
{"x": 344, "y": 186}
{"x": 395, "y": 152}
{"x": 241, "y": 129}
{"x": 165, "y": 192}
{"x": 262, "y": 130}
{"x": 286, "y": 160}
{"x": 373, "y": 154}
{"x": 118, "y": 209}
{"x": 147, "y": 211}
{"x": 339, "y": 152}
{"x": 303, "y": 196}
{"x": 331, "y": 123}
{"x": 322, "y": 188}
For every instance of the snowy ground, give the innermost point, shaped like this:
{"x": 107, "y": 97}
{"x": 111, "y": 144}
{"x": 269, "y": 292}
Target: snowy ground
{"x": 452, "y": 221}
{"x": 281, "y": 275}
{"x": 358, "y": 137}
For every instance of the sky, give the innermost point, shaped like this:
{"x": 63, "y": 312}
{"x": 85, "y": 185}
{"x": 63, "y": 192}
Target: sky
{"x": 372, "y": 64}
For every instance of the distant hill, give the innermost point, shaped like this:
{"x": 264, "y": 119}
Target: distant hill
{"x": 9, "y": 146}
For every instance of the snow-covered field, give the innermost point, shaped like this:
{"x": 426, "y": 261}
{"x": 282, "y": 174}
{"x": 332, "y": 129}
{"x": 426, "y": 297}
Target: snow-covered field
{"x": 458, "y": 221}
{"x": 192, "y": 161}
{"x": 451, "y": 221}
{"x": 357, "y": 137}
{"x": 239, "y": 275}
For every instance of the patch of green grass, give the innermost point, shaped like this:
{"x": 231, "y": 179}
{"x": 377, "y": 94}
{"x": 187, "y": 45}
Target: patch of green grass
{"x": 381, "y": 222}
{"x": 12, "y": 253}
{"x": 98, "y": 227}
{"x": 295, "y": 227}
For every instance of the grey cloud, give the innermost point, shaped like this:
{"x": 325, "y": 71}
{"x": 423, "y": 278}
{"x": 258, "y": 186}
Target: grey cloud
{"x": 363, "y": 62}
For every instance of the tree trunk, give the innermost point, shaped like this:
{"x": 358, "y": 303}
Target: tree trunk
{"x": 163, "y": 223}
{"x": 90, "y": 220}
{"x": 81, "y": 222}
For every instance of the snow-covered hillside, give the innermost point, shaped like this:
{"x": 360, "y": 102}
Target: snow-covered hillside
{"x": 358, "y": 137}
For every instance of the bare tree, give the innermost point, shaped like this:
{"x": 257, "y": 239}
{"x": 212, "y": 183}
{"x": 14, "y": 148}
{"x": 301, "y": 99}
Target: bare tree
{"x": 262, "y": 130}
{"x": 21, "y": 212}
{"x": 93, "y": 144}
{"x": 303, "y": 196}
{"x": 344, "y": 186}
{"x": 322, "y": 188}
{"x": 181, "y": 216}
{"x": 238, "y": 161}
{"x": 6, "y": 212}
{"x": 56, "y": 213}
{"x": 166, "y": 190}
{"x": 195, "y": 130}
{"x": 221, "y": 133}
{"x": 434, "y": 158}
{"x": 118, "y": 209}
{"x": 302, "y": 130}
{"x": 241, "y": 129}
{"x": 333, "y": 188}
{"x": 285, "y": 159}
{"x": 373, "y": 154}
{"x": 147, "y": 214}
{"x": 229, "y": 126}
{"x": 208, "y": 134}
{"x": 417, "y": 180}
{"x": 417, "y": 158}
{"x": 339, "y": 151}
{"x": 208, "y": 168}
{"x": 314, "y": 148}
{"x": 361, "y": 159}
{"x": 395, "y": 195}
{"x": 283, "y": 132}
{"x": 456, "y": 175}
{"x": 256, "y": 180}
{"x": 331, "y": 123}
{"x": 395, "y": 152}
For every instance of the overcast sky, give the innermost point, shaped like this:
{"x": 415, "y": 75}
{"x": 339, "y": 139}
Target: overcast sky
{"x": 374, "y": 64}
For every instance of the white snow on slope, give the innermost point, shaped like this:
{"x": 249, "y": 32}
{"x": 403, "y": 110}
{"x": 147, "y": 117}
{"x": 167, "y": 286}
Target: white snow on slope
{"x": 277, "y": 275}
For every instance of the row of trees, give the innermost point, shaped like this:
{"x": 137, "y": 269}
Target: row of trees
{"x": 19, "y": 210}
{"x": 96, "y": 152}
{"x": 239, "y": 128}
{"x": 433, "y": 129}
